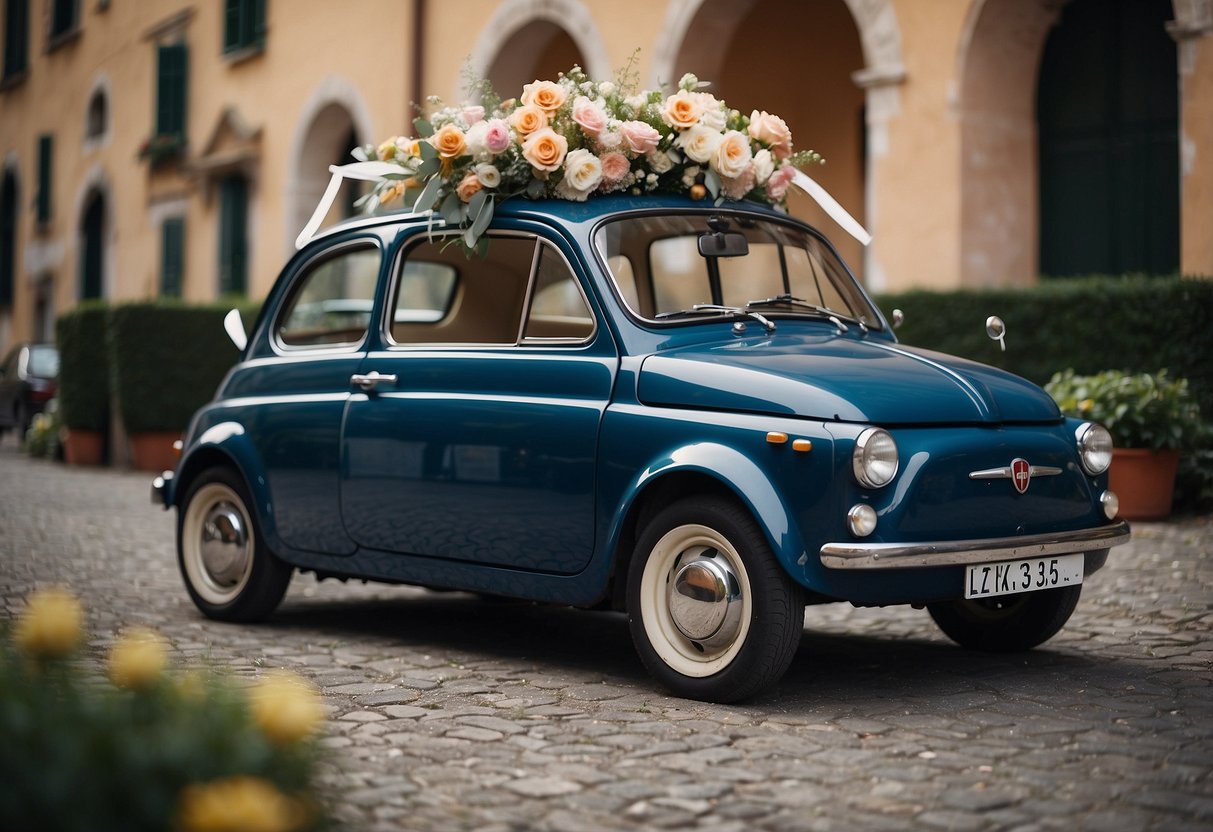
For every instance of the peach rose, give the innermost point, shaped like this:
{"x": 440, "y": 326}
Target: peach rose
{"x": 449, "y": 141}
{"x": 526, "y": 120}
{"x": 639, "y": 137}
{"x": 546, "y": 95}
{"x": 615, "y": 166}
{"x": 682, "y": 110}
{"x": 468, "y": 186}
{"x": 589, "y": 115}
{"x": 733, "y": 155}
{"x": 771, "y": 131}
{"x": 545, "y": 149}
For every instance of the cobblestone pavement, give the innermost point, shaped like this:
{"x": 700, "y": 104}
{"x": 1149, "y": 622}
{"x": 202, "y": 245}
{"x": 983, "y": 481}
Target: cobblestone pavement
{"x": 451, "y": 712}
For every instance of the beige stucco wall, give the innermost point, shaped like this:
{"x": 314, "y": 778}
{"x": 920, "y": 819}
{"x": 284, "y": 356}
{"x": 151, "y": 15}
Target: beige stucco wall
{"x": 944, "y": 178}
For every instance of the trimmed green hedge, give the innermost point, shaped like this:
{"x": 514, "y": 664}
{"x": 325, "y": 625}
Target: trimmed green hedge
{"x": 168, "y": 358}
{"x": 84, "y": 388}
{"x": 1137, "y": 324}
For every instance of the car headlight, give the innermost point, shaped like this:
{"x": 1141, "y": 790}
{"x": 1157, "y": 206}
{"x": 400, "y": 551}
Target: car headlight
{"x": 1094, "y": 448}
{"x": 875, "y": 458}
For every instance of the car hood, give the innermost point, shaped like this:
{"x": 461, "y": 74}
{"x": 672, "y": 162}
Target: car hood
{"x": 844, "y": 379}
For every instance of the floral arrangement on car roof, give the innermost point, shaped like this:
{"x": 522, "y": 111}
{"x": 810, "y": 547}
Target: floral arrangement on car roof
{"x": 574, "y": 137}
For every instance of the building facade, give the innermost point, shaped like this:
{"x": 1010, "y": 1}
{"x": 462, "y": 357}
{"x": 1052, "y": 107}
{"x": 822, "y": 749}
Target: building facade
{"x": 174, "y": 148}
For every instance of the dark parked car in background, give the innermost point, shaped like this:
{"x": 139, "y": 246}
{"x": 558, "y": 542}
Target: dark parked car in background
{"x": 29, "y": 378}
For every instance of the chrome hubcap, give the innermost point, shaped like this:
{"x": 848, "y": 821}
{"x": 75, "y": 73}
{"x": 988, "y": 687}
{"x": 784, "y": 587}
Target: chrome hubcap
{"x": 704, "y": 599}
{"x": 224, "y": 545}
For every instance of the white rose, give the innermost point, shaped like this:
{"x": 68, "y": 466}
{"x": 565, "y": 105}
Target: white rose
{"x": 582, "y": 171}
{"x": 714, "y": 116}
{"x": 659, "y": 162}
{"x": 764, "y": 166}
{"x": 606, "y": 88}
{"x": 488, "y": 175}
{"x": 732, "y": 155}
{"x": 699, "y": 143}
{"x": 475, "y": 138}
{"x": 690, "y": 175}
{"x": 636, "y": 102}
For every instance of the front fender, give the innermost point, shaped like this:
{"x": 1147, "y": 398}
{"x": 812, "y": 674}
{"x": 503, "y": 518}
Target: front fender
{"x": 737, "y": 472}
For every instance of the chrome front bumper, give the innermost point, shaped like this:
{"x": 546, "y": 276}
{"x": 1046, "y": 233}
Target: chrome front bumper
{"x": 961, "y": 552}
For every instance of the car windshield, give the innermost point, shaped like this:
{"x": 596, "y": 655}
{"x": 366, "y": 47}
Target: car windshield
{"x": 657, "y": 266}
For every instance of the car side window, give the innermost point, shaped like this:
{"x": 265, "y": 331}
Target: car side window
{"x": 559, "y": 310}
{"x": 331, "y": 305}
{"x": 445, "y": 297}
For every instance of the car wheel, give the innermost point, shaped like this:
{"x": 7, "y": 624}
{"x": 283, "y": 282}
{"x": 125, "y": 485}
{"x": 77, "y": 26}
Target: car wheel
{"x": 230, "y": 573}
{"x": 1006, "y": 623}
{"x": 712, "y": 613}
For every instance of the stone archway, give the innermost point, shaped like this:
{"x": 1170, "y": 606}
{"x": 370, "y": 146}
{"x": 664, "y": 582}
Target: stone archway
{"x": 334, "y": 120}
{"x": 95, "y": 250}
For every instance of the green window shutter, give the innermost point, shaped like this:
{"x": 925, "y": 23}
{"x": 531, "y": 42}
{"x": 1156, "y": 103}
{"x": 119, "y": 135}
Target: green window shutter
{"x": 243, "y": 24}
{"x": 257, "y": 29}
{"x": 233, "y": 238}
{"x": 16, "y": 37}
{"x": 172, "y": 61}
{"x": 172, "y": 257}
{"x": 64, "y": 15}
{"x": 231, "y": 25}
{"x": 42, "y": 210}
{"x": 8, "y": 239}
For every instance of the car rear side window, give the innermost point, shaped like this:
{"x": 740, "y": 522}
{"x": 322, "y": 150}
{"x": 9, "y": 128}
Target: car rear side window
{"x": 331, "y": 305}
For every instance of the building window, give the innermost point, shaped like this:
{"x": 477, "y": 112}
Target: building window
{"x": 65, "y": 20}
{"x": 172, "y": 257}
{"x": 42, "y": 204}
{"x": 243, "y": 25}
{"x": 16, "y": 38}
{"x": 171, "y": 63}
{"x": 8, "y": 238}
{"x": 233, "y": 235}
{"x": 97, "y": 116}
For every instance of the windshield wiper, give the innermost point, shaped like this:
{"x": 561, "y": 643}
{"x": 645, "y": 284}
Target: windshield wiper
{"x": 718, "y": 309}
{"x": 833, "y": 317}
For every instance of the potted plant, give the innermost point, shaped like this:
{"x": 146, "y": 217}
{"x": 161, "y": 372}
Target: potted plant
{"x": 1152, "y": 418}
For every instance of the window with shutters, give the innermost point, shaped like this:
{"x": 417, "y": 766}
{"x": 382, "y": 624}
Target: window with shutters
{"x": 233, "y": 235}
{"x": 243, "y": 26}
{"x": 16, "y": 40}
{"x": 64, "y": 22}
{"x": 172, "y": 257}
{"x": 171, "y": 65}
{"x": 42, "y": 200}
{"x": 8, "y": 238}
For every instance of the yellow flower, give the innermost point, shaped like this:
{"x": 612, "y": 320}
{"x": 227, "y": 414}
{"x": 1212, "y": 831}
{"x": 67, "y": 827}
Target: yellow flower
{"x": 51, "y": 625}
{"x": 137, "y": 661}
{"x": 285, "y": 708}
{"x": 387, "y": 150}
{"x": 1086, "y": 404}
{"x": 238, "y": 804}
{"x": 391, "y": 193}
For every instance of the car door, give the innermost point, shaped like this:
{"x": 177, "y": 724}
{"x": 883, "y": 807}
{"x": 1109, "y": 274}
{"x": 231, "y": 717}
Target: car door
{"x": 476, "y": 437}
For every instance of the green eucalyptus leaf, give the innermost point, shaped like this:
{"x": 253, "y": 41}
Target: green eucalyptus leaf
{"x": 452, "y": 209}
{"x": 429, "y": 195}
{"x": 426, "y": 151}
{"x": 423, "y": 127}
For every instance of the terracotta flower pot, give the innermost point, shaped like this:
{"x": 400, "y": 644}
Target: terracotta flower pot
{"x": 1144, "y": 481}
{"x": 153, "y": 450}
{"x": 83, "y": 447}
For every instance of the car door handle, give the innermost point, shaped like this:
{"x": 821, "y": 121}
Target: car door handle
{"x": 372, "y": 380}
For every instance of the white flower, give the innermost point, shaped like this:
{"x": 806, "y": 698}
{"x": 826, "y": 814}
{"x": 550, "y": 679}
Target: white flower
{"x": 690, "y": 175}
{"x": 488, "y": 175}
{"x": 636, "y": 102}
{"x": 659, "y": 162}
{"x": 606, "y": 88}
{"x": 688, "y": 82}
{"x": 764, "y": 166}
{"x": 582, "y": 173}
{"x": 475, "y": 138}
{"x": 714, "y": 115}
{"x": 732, "y": 155}
{"x": 699, "y": 142}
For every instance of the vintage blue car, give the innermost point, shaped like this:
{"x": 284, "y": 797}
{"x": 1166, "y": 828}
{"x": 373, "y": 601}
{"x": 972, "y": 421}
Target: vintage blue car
{"x": 687, "y": 411}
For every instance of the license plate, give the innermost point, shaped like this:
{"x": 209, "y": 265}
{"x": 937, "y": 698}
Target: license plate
{"x": 986, "y": 580}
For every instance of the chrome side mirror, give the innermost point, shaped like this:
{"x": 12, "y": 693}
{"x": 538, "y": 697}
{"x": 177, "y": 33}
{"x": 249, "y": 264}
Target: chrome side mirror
{"x": 898, "y": 318}
{"x": 234, "y": 328}
{"x": 997, "y": 330}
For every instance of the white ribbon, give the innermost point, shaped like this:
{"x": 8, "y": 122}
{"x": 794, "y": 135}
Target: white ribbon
{"x": 364, "y": 171}
{"x": 830, "y": 206}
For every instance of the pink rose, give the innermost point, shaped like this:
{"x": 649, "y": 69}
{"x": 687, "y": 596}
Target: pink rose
{"x": 615, "y": 166}
{"x": 589, "y": 115}
{"x": 771, "y": 131}
{"x": 639, "y": 137}
{"x": 472, "y": 113}
{"x": 497, "y": 139}
{"x": 777, "y": 185}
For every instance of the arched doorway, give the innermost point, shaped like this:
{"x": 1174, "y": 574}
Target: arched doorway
{"x": 92, "y": 246}
{"x": 328, "y": 139}
{"x": 1108, "y": 111}
{"x": 812, "y": 89}
{"x": 539, "y": 50}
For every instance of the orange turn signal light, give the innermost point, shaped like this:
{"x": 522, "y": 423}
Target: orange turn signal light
{"x": 777, "y": 438}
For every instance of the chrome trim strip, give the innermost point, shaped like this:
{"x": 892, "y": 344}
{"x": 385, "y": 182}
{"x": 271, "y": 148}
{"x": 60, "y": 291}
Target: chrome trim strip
{"x": 959, "y": 552}
{"x": 1005, "y": 473}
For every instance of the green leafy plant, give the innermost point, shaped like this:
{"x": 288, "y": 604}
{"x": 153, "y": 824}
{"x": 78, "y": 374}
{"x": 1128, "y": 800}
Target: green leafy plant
{"x": 84, "y": 389}
{"x": 1141, "y": 410}
{"x": 145, "y": 749}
